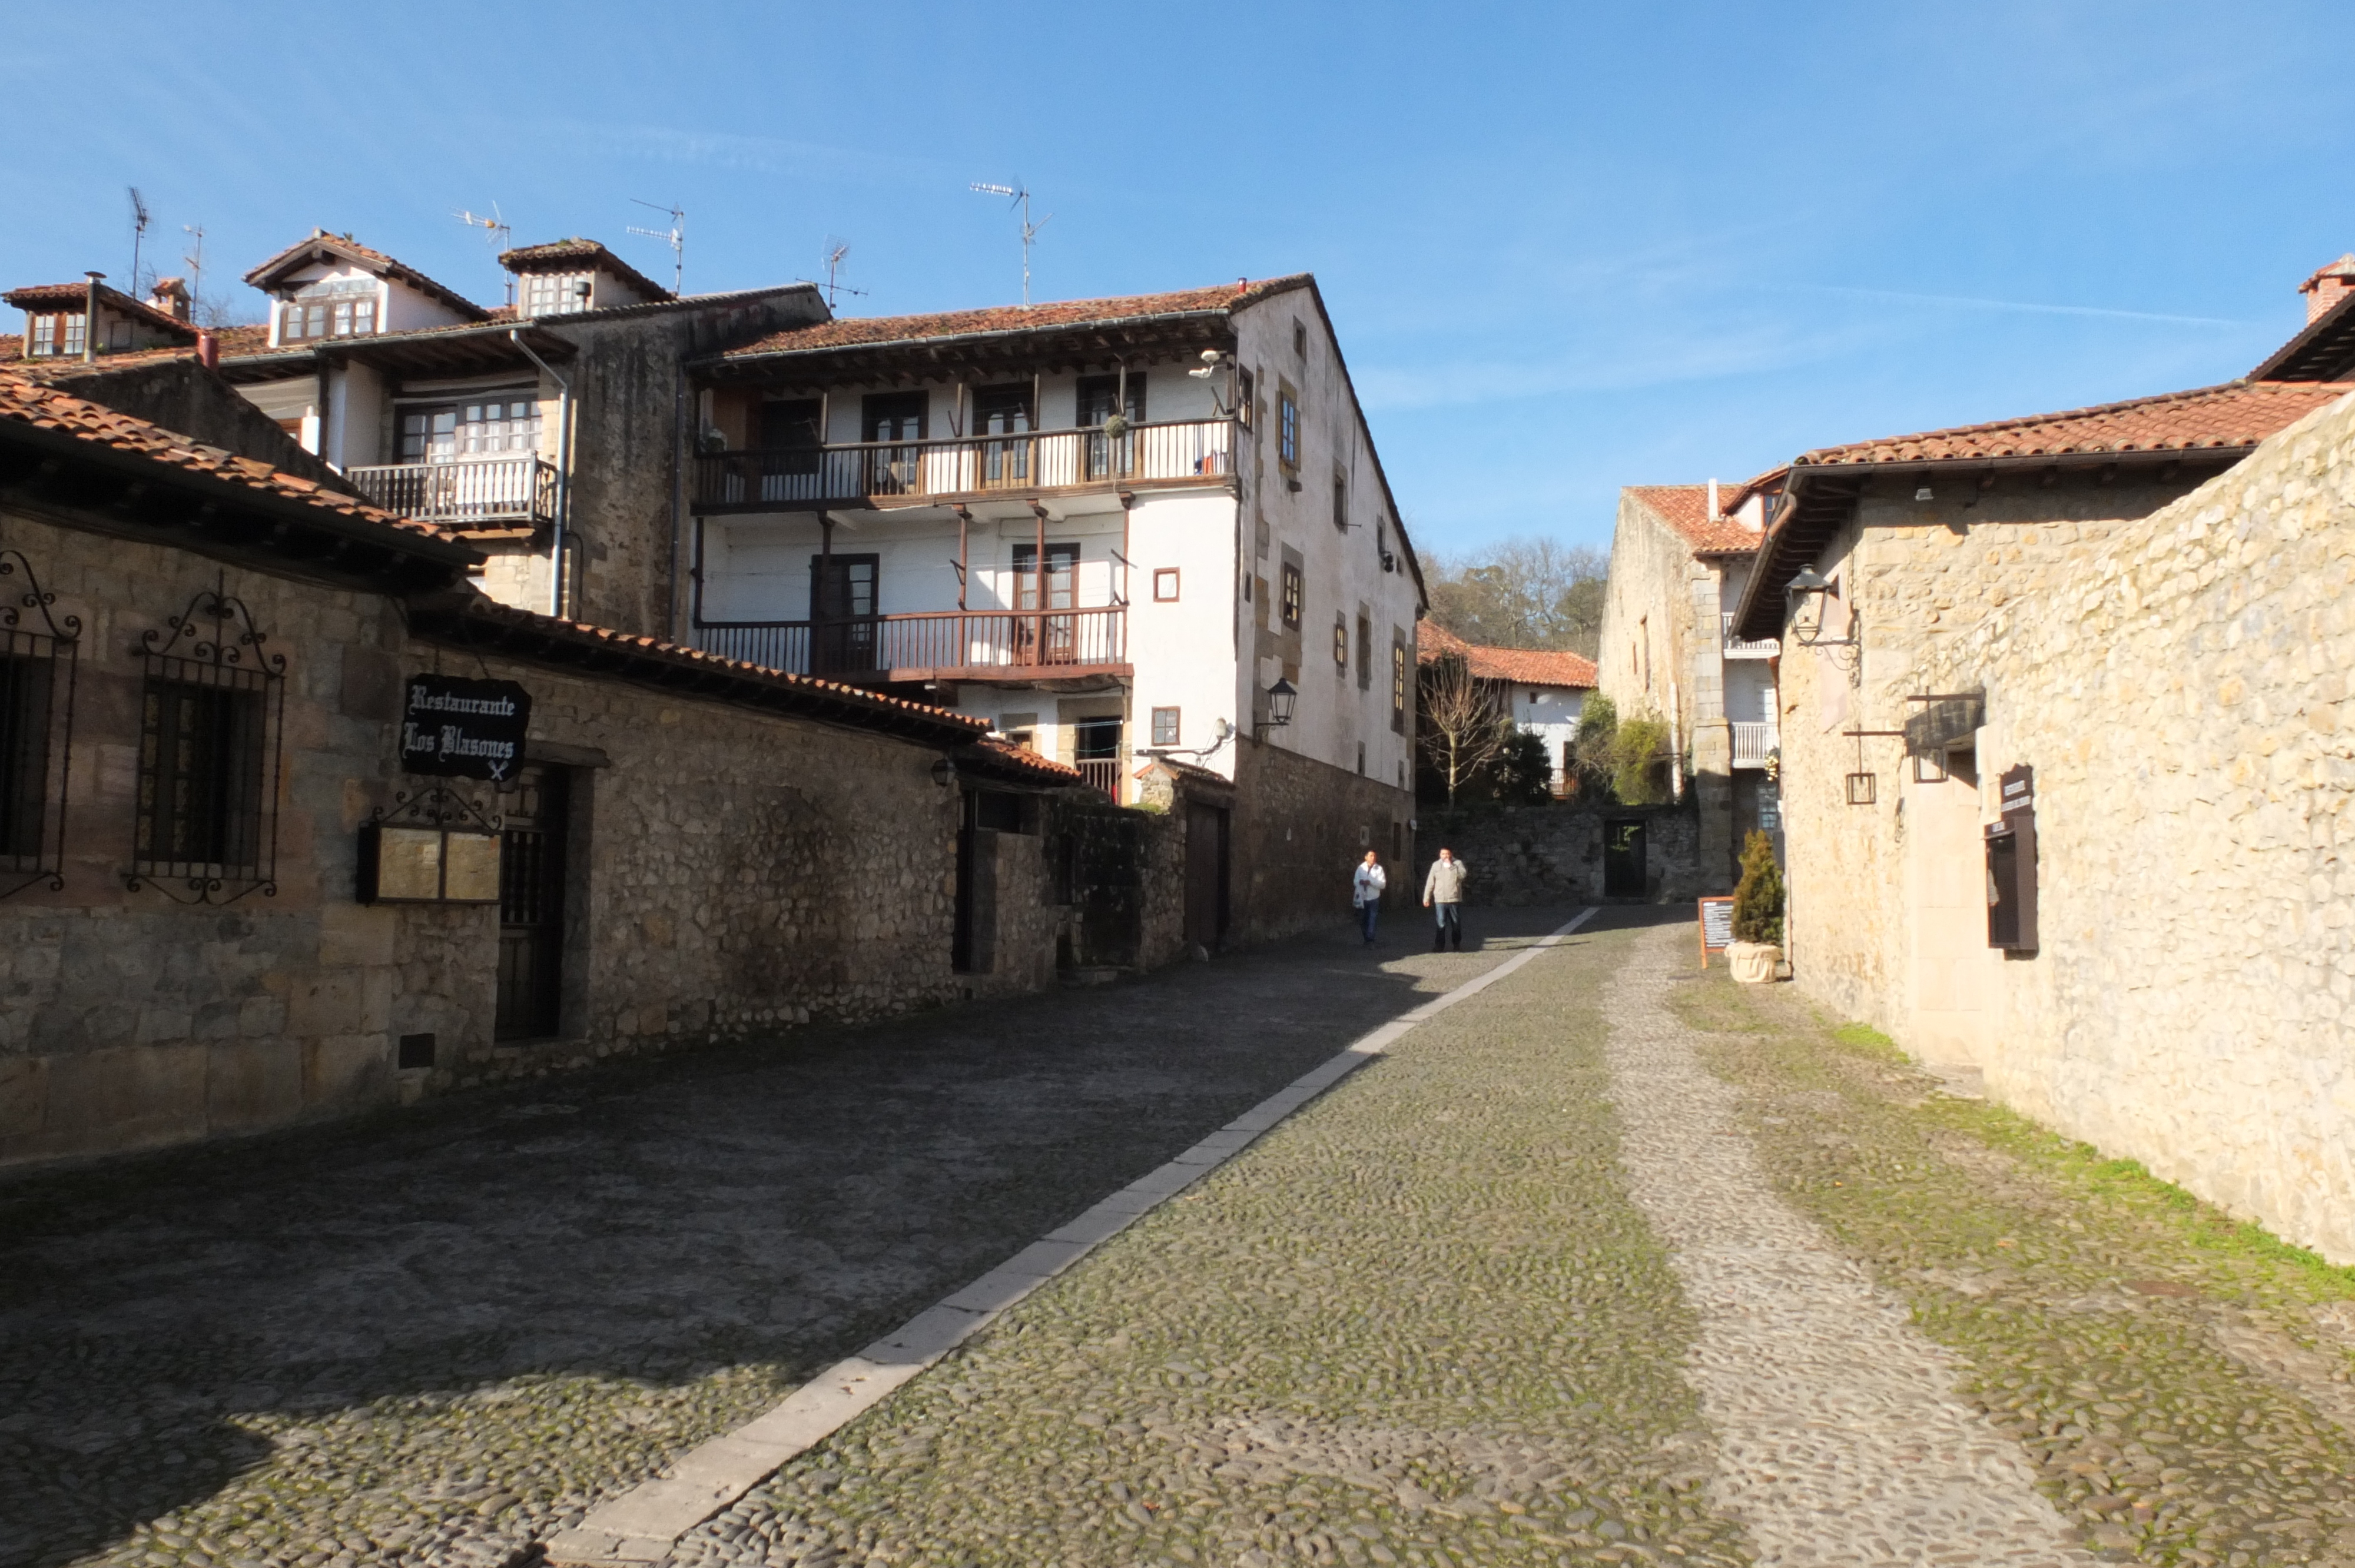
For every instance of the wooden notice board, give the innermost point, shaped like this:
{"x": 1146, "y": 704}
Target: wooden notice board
{"x": 1716, "y": 927}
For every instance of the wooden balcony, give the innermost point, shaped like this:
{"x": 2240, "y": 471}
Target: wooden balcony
{"x": 1745, "y": 648}
{"x": 1753, "y": 742}
{"x": 957, "y": 644}
{"x": 904, "y": 473}
{"x": 470, "y": 493}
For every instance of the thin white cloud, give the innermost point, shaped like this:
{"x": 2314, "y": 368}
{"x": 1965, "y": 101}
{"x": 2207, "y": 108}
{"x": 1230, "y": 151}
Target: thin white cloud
{"x": 2022, "y": 306}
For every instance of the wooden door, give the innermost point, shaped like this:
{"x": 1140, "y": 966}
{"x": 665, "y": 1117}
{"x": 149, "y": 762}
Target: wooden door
{"x": 1622, "y": 860}
{"x": 1206, "y": 873}
{"x": 531, "y": 905}
{"x": 843, "y": 612}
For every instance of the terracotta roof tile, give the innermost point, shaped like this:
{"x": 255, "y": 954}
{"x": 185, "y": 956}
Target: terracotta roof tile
{"x": 320, "y": 243}
{"x": 860, "y": 331}
{"x": 2234, "y": 415}
{"x": 1685, "y": 508}
{"x": 1023, "y": 760}
{"x": 26, "y": 401}
{"x": 565, "y": 254}
{"x": 1521, "y": 666}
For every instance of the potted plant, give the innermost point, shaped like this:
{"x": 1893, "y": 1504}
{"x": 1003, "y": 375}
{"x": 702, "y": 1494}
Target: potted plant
{"x": 1756, "y": 950}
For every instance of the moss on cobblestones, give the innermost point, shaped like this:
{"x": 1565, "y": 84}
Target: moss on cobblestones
{"x": 2181, "y": 1381}
{"x": 1420, "y": 1323}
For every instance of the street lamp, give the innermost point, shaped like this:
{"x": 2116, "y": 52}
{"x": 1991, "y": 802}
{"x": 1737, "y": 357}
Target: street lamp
{"x": 1280, "y": 698}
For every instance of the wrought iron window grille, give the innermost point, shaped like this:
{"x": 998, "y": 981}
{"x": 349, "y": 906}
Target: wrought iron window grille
{"x": 38, "y": 667}
{"x": 212, "y": 720}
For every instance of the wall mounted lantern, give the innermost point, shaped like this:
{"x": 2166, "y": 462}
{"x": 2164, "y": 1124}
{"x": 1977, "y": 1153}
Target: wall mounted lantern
{"x": 1280, "y": 698}
{"x": 1806, "y": 584}
{"x": 944, "y": 771}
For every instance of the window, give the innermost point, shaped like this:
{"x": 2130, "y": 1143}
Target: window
{"x": 1246, "y": 387}
{"x": 1097, "y": 394}
{"x": 999, "y": 413}
{"x": 37, "y": 669}
{"x": 1340, "y": 643}
{"x": 1287, "y": 425}
{"x": 55, "y": 335}
{"x": 205, "y": 824}
{"x": 1365, "y": 651}
{"x": 1165, "y": 584}
{"x": 1299, "y": 338}
{"x": 555, "y": 294}
{"x": 1291, "y": 600}
{"x": 1397, "y": 683}
{"x": 496, "y": 427}
{"x": 789, "y": 433}
{"x": 1165, "y": 726}
{"x": 349, "y": 315}
{"x": 893, "y": 417}
{"x": 1340, "y": 503}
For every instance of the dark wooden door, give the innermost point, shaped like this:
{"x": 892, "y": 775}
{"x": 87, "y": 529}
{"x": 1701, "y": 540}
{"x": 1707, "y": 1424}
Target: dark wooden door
{"x": 1622, "y": 860}
{"x": 531, "y": 905}
{"x": 842, "y": 613}
{"x": 1206, "y": 873}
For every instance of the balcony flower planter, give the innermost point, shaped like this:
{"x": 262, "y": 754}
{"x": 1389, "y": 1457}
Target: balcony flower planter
{"x": 1754, "y": 963}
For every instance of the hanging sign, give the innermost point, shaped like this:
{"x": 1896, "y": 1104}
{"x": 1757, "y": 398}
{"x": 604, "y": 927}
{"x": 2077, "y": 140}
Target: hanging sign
{"x": 457, "y": 729}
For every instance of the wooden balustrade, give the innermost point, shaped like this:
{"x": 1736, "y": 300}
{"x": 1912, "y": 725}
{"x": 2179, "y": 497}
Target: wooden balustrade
{"x": 978, "y": 639}
{"x": 467, "y": 493}
{"x": 802, "y": 477}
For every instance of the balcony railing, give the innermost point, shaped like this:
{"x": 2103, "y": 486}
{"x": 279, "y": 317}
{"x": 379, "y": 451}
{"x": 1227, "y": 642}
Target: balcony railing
{"x": 1745, "y": 648}
{"x": 1752, "y": 742}
{"x": 1101, "y": 773}
{"x": 912, "y": 646}
{"x": 804, "y": 477}
{"x": 469, "y": 494}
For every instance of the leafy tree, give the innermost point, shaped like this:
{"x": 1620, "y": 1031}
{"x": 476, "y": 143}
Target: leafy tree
{"x": 1758, "y": 896}
{"x": 1591, "y": 748}
{"x": 1521, "y": 773}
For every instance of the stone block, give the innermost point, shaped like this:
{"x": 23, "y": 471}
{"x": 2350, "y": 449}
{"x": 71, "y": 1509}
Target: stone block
{"x": 130, "y": 1097}
{"x": 348, "y": 1073}
{"x": 253, "y": 1083}
{"x": 357, "y": 936}
{"x": 327, "y": 1002}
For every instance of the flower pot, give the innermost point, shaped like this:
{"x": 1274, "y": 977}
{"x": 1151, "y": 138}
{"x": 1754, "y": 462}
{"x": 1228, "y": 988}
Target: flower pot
{"x": 1752, "y": 963}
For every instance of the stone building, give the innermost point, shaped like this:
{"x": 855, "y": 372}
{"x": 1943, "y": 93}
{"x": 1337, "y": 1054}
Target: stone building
{"x": 1113, "y": 530}
{"x": 245, "y": 879}
{"x": 1540, "y": 692}
{"x": 1680, "y": 556}
{"x": 2064, "y": 768}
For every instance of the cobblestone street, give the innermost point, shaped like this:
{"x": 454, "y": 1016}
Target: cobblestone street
{"x": 1614, "y": 1262}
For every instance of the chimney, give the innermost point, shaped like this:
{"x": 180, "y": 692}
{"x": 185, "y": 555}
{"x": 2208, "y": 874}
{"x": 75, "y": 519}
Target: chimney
{"x": 1712, "y": 500}
{"x": 169, "y": 295}
{"x": 209, "y": 350}
{"x": 2328, "y": 285}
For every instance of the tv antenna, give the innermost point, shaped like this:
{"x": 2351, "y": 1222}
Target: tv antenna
{"x": 195, "y": 261}
{"x": 675, "y": 237}
{"x": 1021, "y": 193}
{"x": 140, "y": 218}
{"x": 498, "y": 231}
{"x": 836, "y": 252}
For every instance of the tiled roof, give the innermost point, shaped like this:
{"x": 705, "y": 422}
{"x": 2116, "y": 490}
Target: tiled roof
{"x": 566, "y": 253}
{"x": 1021, "y": 760}
{"x": 2236, "y": 415}
{"x": 26, "y": 401}
{"x": 861, "y": 331}
{"x": 74, "y": 296}
{"x": 1685, "y": 508}
{"x": 322, "y": 244}
{"x": 1521, "y": 666}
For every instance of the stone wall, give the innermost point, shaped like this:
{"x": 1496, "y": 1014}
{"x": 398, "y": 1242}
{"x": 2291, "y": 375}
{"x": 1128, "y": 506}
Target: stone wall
{"x": 1298, "y": 830}
{"x": 733, "y": 872}
{"x": 2176, "y": 681}
{"x": 1552, "y": 854}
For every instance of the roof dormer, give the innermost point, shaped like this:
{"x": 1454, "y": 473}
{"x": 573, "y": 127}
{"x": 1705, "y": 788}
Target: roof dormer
{"x": 572, "y": 275}
{"x": 57, "y": 321}
{"x": 331, "y": 286}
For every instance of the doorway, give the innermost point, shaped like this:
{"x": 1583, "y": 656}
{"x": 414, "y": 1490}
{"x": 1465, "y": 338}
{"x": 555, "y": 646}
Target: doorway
{"x": 1206, "y": 873}
{"x": 531, "y": 904}
{"x": 842, "y": 613}
{"x": 1622, "y": 860}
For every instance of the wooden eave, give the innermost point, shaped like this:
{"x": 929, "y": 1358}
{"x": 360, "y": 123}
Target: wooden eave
{"x": 2325, "y": 351}
{"x": 1022, "y": 351}
{"x": 458, "y": 351}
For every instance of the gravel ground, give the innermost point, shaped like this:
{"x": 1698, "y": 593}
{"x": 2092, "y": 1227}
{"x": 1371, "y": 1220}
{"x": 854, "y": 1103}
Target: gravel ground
{"x": 2179, "y": 1383}
{"x": 1421, "y": 1322}
{"x": 435, "y": 1336}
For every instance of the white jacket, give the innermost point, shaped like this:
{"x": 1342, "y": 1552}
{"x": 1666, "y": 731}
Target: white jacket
{"x": 1365, "y": 887}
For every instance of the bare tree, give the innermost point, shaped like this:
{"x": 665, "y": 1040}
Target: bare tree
{"x": 1464, "y": 727}
{"x": 1523, "y": 593}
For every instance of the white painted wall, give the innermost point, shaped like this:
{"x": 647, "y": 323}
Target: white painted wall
{"x": 353, "y": 421}
{"x": 1169, "y": 394}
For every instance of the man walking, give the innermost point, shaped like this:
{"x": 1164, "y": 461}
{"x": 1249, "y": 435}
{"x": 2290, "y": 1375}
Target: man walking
{"x": 1443, "y": 891}
{"x": 1366, "y": 893}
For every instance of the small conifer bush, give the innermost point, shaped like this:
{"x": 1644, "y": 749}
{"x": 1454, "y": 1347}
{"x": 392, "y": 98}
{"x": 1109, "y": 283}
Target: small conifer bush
{"x": 1758, "y": 896}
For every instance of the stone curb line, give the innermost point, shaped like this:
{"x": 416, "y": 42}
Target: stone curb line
{"x": 639, "y": 1527}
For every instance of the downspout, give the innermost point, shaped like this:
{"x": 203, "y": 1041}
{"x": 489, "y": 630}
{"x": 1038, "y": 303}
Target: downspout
{"x": 90, "y": 318}
{"x": 563, "y": 474}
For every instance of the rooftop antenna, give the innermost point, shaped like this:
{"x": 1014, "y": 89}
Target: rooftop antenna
{"x": 498, "y": 231}
{"x": 194, "y": 262}
{"x": 1021, "y": 195}
{"x": 837, "y": 251}
{"x": 139, "y": 221}
{"x": 676, "y": 237}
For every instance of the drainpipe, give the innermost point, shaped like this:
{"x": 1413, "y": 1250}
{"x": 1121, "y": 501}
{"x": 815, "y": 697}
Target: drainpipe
{"x": 90, "y": 318}
{"x": 563, "y": 474}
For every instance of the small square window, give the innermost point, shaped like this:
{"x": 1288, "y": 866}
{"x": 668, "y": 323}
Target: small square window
{"x": 1299, "y": 339}
{"x": 1291, "y": 591}
{"x": 1340, "y": 644}
{"x": 1165, "y": 726}
{"x": 1340, "y": 503}
{"x": 1287, "y": 425}
{"x": 1165, "y": 584}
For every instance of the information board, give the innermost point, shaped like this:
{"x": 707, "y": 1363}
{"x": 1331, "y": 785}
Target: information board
{"x": 458, "y": 728}
{"x": 1716, "y": 927}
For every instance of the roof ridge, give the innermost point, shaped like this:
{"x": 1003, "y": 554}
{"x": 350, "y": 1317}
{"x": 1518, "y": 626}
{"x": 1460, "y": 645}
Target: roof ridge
{"x": 2083, "y": 411}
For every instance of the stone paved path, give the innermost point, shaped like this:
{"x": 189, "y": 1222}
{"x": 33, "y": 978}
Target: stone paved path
{"x": 1842, "y": 1439}
{"x": 435, "y": 1336}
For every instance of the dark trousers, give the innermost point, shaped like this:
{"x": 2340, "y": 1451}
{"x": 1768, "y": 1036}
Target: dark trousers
{"x": 1451, "y": 926}
{"x": 1367, "y": 913}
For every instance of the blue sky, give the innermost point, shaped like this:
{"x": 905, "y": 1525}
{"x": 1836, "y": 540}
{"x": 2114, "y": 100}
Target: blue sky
{"x": 1568, "y": 248}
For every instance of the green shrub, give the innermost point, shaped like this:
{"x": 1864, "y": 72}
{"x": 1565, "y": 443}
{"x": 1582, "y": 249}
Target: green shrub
{"x": 1635, "y": 760}
{"x": 1758, "y": 896}
{"x": 1598, "y": 726}
{"x": 1522, "y": 775}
